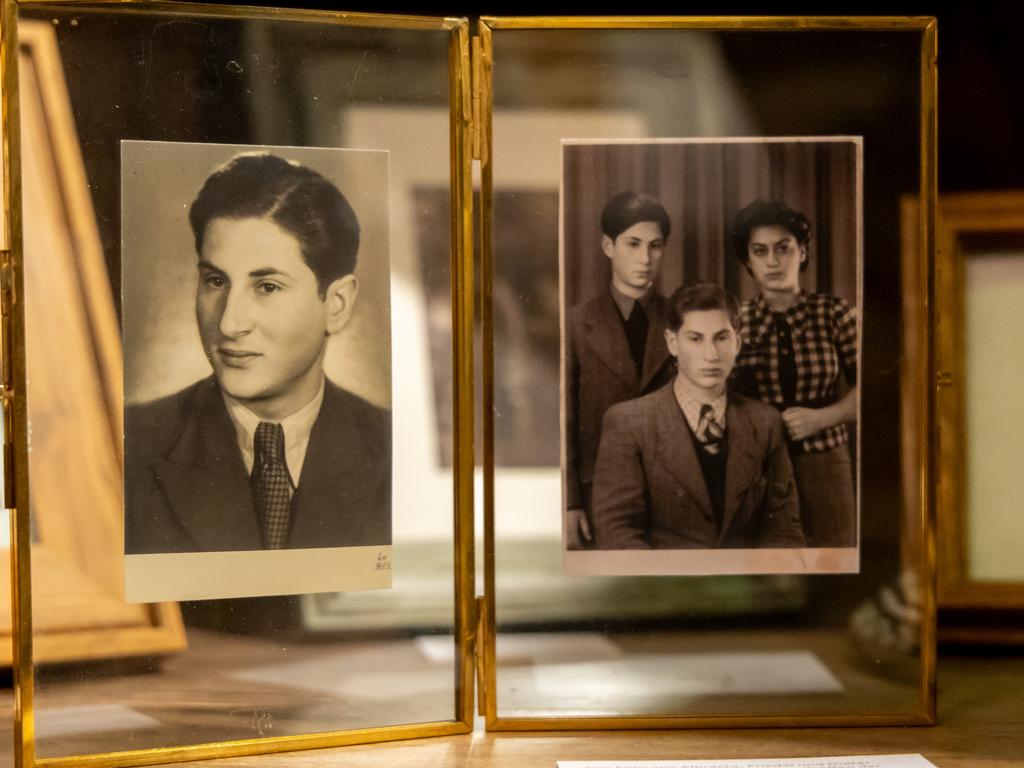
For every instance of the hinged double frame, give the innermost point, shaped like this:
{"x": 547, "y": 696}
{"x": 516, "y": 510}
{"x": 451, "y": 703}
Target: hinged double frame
{"x": 479, "y": 625}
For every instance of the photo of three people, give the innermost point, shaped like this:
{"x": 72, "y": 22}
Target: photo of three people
{"x": 710, "y": 376}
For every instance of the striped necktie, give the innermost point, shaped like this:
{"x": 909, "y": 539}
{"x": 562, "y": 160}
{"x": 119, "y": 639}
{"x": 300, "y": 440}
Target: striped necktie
{"x": 709, "y": 431}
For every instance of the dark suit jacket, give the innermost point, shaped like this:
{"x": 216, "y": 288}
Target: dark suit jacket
{"x": 649, "y": 490}
{"x": 187, "y": 489}
{"x": 599, "y": 372}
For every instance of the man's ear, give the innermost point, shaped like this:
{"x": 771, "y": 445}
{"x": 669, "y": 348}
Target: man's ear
{"x": 606, "y": 245}
{"x": 670, "y": 342}
{"x": 340, "y": 300}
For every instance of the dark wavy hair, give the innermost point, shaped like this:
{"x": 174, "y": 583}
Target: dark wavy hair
{"x": 768, "y": 213}
{"x": 629, "y": 208}
{"x": 296, "y": 198}
{"x": 701, "y": 296}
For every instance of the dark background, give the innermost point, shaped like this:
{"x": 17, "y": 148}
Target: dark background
{"x": 981, "y": 73}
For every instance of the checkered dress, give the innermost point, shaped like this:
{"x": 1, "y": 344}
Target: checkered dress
{"x": 824, "y": 333}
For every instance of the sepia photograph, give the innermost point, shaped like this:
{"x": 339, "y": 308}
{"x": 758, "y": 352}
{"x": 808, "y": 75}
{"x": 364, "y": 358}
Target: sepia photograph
{"x": 256, "y": 326}
{"x": 710, "y": 339}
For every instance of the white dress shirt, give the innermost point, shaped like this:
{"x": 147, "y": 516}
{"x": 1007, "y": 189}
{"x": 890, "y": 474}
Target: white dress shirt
{"x": 297, "y": 429}
{"x": 691, "y": 409}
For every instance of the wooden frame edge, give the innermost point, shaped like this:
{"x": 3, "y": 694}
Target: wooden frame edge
{"x": 961, "y": 216}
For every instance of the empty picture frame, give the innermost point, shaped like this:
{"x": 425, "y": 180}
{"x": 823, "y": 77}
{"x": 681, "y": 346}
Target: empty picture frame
{"x": 980, "y": 246}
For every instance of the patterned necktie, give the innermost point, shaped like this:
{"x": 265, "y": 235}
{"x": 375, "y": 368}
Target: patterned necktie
{"x": 709, "y": 431}
{"x": 636, "y": 335}
{"x": 271, "y": 484}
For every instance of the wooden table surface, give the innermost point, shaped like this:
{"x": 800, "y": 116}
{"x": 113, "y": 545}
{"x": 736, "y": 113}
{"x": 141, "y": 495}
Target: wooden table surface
{"x": 981, "y": 723}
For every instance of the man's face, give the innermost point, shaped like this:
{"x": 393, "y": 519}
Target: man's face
{"x": 705, "y": 347}
{"x": 635, "y": 255}
{"x": 262, "y": 321}
{"x": 774, "y": 257}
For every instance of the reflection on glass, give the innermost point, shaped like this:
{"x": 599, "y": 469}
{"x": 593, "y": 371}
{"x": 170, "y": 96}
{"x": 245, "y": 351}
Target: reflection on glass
{"x": 254, "y": 667}
{"x": 593, "y": 646}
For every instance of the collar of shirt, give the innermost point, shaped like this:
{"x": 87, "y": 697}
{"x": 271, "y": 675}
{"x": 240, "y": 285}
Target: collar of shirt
{"x": 762, "y": 318}
{"x": 297, "y": 428}
{"x": 691, "y": 408}
{"x": 625, "y": 303}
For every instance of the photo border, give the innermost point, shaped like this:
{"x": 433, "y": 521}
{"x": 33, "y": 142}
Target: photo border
{"x": 714, "y": 562}
{"x": 201, "y": 574}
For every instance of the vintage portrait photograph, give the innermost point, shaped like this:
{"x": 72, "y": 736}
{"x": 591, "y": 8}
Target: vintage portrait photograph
{"x": 710, "y": 338}
{"x": 257, "y": 343}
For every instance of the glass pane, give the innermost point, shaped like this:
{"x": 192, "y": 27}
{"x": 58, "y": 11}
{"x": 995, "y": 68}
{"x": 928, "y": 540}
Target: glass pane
{"x": 738, "y": 116}
{"x": 992, "y": 415}
{"x": 157, "y": 102}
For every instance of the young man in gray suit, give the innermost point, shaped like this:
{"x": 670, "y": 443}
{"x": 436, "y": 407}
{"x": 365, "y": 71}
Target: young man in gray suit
{"x": 693, "y": 466}
{"x": 614, "y": 348}
{"x": 265, "y": 453}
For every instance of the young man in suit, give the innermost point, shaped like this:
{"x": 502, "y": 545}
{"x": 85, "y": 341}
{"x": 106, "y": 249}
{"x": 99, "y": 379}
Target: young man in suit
{"x": 614, "y": 349}
{"x": 693, "y": 465}
{"x": 265, "y": 453}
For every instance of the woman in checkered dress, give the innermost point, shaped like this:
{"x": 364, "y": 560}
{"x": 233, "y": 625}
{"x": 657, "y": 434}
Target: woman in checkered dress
{"x": 799, "y": 354}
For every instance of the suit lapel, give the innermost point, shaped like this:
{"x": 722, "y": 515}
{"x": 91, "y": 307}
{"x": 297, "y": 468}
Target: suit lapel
{"x": 743, "y": 461}
{"x": 607, "y": 339}
{"x": 676, "y": 449}
{"x": 655, "y": 351}
{"x": 204, "y": 478}
{"x": 330, "y": 491}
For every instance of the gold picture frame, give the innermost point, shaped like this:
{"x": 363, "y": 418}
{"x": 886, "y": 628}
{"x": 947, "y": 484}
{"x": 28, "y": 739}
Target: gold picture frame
{"x": 524, "y": 40}
{"x": 974, "y": 607}
{"x": 30, "y": 641}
